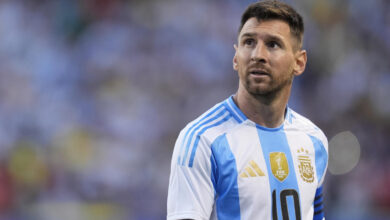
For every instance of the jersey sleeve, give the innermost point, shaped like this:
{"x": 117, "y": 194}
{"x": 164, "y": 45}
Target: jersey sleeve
{"x": 324, "y": 157}
{"x": 191, "y": 191}
{"x": 322, "y": 162}
{"x": 318, "y": 205}
{"x": 320, "y": 144}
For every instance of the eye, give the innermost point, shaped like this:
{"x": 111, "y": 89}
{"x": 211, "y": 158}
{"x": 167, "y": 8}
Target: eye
{"x": 273, "y": 44}
{"x": 249, "y": 42}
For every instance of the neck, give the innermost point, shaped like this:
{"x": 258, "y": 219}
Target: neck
{"x": 265, "y": 110}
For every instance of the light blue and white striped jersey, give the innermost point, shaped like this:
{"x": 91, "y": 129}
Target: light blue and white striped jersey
{"x": 224, "y": 166}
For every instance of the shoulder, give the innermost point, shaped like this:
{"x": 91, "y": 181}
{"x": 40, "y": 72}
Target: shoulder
{"x": 235, "y": 138}
{"x": 240, "y": 132}
{"x": 300, "y": 123}
{"x": 212, "y": 123}
{"x": 318, "y": 139}
{"x": 196, "y": 137}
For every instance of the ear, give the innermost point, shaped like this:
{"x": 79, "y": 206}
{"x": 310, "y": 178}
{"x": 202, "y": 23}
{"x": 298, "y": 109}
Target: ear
{"x": 300, "y": 62}
{"x": 235, "y": 64}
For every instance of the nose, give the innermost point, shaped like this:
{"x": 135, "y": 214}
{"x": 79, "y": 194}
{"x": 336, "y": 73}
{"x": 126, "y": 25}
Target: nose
{"x": 259, "y": 54}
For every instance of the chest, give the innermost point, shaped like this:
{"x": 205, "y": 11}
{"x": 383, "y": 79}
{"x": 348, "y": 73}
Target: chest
{"x": 281, "y": 158}
{"x": 274, "y": 168}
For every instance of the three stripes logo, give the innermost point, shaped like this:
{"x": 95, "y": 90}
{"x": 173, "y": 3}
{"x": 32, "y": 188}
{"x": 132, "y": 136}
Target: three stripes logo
{"x": 252, "y": 170}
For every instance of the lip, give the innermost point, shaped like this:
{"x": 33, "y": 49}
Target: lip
{"x": 259, "y": 72}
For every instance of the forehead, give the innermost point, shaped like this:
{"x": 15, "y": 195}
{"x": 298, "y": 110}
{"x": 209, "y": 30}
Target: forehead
{"x": 277, "y": 28}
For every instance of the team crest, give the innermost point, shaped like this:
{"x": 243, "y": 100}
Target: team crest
{"x": 279, "y": 165}
{"x": 305, "y": 168}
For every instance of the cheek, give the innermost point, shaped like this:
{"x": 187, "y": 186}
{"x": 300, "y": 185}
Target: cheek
{"x": 282, "y": 62}
{"x": 237, "y": 63}
{"x": 243, "y": 54}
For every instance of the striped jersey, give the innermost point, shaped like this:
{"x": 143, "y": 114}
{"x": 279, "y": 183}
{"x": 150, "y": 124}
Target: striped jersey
{"x": 225, "y": 166}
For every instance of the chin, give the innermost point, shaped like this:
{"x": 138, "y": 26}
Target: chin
{"x": 258, "y": 91}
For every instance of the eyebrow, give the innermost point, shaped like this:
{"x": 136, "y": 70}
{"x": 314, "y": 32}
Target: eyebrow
{"x": 274, "y": 38}
{"x": 248, "y": 34}
{"x": 267, "y": 36}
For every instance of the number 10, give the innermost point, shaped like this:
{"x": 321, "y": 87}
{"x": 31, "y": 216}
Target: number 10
{"x": 283, "y": 204}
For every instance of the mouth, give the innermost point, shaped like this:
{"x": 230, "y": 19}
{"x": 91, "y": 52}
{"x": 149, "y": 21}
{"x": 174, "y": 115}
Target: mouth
{"x": 258, "y": 73}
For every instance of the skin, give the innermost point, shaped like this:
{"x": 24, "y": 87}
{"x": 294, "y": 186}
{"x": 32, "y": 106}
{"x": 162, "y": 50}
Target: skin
{"x": 267, "y": 59}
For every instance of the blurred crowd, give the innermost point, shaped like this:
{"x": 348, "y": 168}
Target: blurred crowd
{"x": 93, "y": 94}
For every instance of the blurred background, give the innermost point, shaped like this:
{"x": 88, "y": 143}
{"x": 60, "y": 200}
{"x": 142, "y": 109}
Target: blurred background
{"x": 93, "y": 94}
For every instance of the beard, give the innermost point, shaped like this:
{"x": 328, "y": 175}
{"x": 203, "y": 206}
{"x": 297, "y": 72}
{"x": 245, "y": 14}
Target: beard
{"x": 268, "y": 88}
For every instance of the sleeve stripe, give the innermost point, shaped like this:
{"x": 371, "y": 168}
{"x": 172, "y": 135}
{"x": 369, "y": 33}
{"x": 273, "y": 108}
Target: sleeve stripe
{"x": 235, "y": 115}
{"x": 320, "y": 200}
{"x": 191, "y": 162}
{"x": 318, "y": 197}
{"x": 319, "y": 191}
{"x": 231, "y": 105}
{"x": 318, "y": 208}
{"x": 199, "y": 127}
{"x": 194, "y": 127}
{"x": 318, "y": 212}
{"x": 319, "y": 204}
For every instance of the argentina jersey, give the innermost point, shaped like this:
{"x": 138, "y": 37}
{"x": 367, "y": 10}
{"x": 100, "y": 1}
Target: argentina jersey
{"x": 249, "y": 171}
{"x": 191, "y": 192}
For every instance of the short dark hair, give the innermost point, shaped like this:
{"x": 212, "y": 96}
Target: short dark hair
{"x": 270, "y": 10}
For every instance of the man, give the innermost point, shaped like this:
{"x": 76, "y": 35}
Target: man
{"x": 251, "y": 156}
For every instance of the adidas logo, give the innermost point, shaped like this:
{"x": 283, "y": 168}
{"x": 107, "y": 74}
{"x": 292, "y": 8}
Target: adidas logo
{"x": 252, "y": 170}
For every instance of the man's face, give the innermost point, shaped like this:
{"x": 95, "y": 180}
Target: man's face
{"x": 265, "y": 58}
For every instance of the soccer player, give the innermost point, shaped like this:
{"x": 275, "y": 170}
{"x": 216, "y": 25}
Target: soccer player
{"x": 251, "y": 156}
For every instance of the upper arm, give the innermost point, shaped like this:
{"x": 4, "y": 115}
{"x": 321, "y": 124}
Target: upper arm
{"x": 191, "y": 191}
{"x": 323, "y": 156}
{"x": 320, "y": 144}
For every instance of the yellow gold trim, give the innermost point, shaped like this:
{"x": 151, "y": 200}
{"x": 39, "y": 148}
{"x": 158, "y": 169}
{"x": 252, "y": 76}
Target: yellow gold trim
{"x": 250, "y": 171}
{"x": 243, "y": 175}
{"x": 257, "y": 168}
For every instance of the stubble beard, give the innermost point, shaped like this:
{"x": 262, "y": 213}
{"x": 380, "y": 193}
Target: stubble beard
{"x": 271, "y": 90}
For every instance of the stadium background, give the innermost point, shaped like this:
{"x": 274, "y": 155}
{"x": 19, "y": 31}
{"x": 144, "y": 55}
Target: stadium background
{"x": 94, "y": 92}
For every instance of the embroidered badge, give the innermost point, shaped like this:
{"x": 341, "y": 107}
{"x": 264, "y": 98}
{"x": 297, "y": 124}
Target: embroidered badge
{"x": 279, "y": 165}
{"x": 306, "y": 169}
